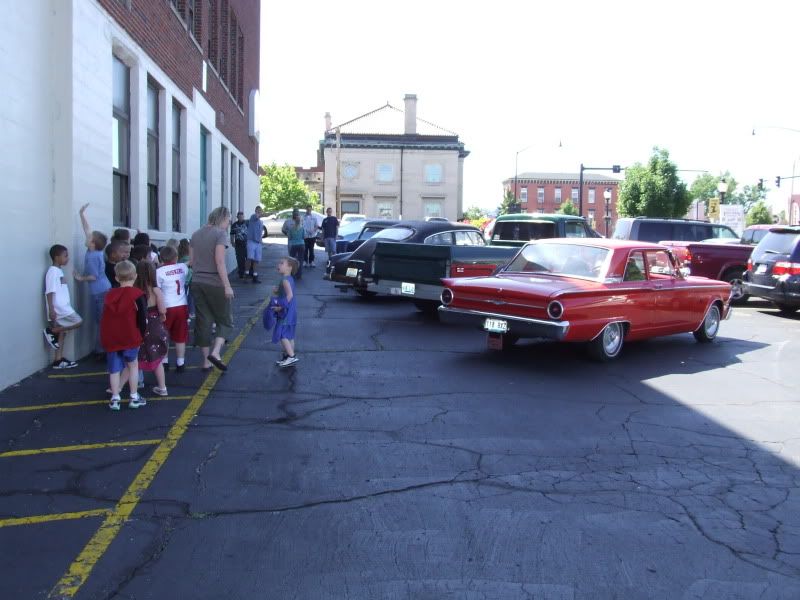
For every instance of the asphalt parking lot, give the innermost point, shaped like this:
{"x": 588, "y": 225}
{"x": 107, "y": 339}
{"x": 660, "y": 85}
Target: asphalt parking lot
{"x": 401, "y": 459}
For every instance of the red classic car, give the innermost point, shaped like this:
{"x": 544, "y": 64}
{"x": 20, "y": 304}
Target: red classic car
{"x": 598, "y": 291}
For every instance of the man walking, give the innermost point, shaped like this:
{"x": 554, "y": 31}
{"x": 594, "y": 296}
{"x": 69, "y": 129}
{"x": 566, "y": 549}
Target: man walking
{"x": 239, "y": 241}
{"x": 310, "y": 228}
{"x": 330, "y": 229}
{"x": 254, "y": 244}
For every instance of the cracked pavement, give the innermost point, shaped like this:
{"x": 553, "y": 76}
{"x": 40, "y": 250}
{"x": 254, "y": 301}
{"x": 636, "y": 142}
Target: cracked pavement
{"x": 400, "y": 459}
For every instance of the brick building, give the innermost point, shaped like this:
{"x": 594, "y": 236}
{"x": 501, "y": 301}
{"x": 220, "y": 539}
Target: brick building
{"x": 547, "y": 192}
{"x": 145, "y": 109}
{"x": 313, "y": 177}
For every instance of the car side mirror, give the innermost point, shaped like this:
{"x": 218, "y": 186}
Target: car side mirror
{"x": 684, "y": 272}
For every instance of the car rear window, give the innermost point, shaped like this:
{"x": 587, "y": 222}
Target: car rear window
{"x": 394, "y": 233}
{"x": 622, "y": 230}
{"x": 524, "y": 231}
{"x": 777, "y": 243}
{"x": 654, "y": 231}
{"x": 368, "y": 232}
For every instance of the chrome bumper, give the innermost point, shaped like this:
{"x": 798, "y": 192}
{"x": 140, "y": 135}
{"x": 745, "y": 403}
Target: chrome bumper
{"x": 519, "y": 326}
{"x": 422, "y": 291}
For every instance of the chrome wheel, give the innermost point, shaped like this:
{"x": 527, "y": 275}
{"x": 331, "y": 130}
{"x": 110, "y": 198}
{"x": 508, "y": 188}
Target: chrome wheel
{"x": 710, "y": 326}
{"x": 608, "y": 344}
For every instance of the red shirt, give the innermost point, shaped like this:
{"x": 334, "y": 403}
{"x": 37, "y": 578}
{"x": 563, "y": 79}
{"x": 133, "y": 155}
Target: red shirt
{"x": 121, "y": 323}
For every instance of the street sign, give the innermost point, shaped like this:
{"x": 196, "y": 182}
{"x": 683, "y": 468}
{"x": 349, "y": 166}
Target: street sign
{"x": 713, "y": 208}
{"x": 732, "y": 215}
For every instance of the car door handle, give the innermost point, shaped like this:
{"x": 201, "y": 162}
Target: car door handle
{"x": 658, "y": 286}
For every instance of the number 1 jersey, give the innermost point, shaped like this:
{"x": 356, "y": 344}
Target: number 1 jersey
{"x": 172, "y": 281}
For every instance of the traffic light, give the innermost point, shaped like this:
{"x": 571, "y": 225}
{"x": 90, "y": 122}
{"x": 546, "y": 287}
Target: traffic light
{"x": 778, "y": 181}
{"x": 760, "y": 184}
{"x": 615, "y": 169}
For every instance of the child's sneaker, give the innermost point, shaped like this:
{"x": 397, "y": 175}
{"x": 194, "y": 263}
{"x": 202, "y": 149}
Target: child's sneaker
{"x": 281, "y": 359}
{"x": 288, "y": 361}
{"x": 50, "y": 338}
{"x": 136, "y": 402}
{"x": 180, "y": 368}
{"x": 160, "y": 391}
{"x": 64, "y": 364}
{"x": 113, "y": 404}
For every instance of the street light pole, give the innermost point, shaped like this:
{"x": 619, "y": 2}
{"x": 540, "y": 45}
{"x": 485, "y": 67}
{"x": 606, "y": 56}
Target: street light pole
{"x": 516, "y": 169}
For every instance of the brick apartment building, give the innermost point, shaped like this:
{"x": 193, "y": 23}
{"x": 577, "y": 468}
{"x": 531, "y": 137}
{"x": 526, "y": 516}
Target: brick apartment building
{"x": 313, "y": 177}
{"x": 145, "y": 109}
{"x": 546, "y": 193}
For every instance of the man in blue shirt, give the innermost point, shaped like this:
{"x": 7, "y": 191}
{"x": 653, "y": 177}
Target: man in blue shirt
{"x": 330, "y": 229}
{"x": 254, "y": 244}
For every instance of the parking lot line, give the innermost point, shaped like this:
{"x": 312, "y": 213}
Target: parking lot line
{"x": 9, "y": 409}
{"x": 33, "y": 520}
{"x": 90, "y": 374}
{"x": 82, "y": 566}
{"x": 77, "y": 448}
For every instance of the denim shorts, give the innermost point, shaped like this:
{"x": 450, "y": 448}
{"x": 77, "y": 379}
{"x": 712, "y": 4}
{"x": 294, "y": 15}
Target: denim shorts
{"x": 116, "y": 361}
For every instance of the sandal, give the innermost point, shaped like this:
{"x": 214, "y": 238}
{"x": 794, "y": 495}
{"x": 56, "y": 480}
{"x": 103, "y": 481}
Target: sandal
{"x": 217, "y": 363}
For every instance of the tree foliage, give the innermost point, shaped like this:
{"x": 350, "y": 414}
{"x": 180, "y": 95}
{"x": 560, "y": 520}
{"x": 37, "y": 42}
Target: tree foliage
{"x": 653, "y": 189}
{"x": 759, "y": 214}
{"x": 507, "y": 204}
{"x": 705, "y": 186}
{"x": 280, "y": 188}
{"x": 568, "y": 208}
{"x": 749, "y": 197}
{"x": 474, "y": 213}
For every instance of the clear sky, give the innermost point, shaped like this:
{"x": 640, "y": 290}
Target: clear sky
{"x": 608, "y": 80}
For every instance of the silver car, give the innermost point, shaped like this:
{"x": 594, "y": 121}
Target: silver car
{"x": 274, "y": 223}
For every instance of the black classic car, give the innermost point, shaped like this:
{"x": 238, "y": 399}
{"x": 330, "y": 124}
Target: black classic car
{"x": 355, "y": 271}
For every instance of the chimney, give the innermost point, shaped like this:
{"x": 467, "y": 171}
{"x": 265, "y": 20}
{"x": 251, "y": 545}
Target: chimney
{"x": 411, "y": 113}
{"x": 328, "y": 121}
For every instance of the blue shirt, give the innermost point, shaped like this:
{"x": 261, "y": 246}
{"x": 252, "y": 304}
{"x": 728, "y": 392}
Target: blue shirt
{"x": 296, "y": 235}
{"x": 254, "y": 229}
{"x": 95, "y": 264}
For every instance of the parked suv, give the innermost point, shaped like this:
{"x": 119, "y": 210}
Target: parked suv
{"x": 773, "y": 271}
{"x": 519, "y": 229}
{"x": 656, "y": 230}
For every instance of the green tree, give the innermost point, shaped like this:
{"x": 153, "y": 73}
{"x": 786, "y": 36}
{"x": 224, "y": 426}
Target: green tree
{"x": 506, "y": 204}
{"x": 473, "y": 213}
{"x": 759, "y": 214}
{"x": 654, "y": 189}
{"x": 280, "y": 188}
{"x": 749, "y": 197}
{"x": 568, "y": 208}
{"x": 705, "y": 186}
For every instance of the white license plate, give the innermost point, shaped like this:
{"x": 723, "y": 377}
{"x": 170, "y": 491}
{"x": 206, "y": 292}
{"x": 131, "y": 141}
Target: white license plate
{"x": 408, "y": 289}
{"x": 495, "y": 325}
{"x": 352, "y": 272}
{"x": 761, "y": 269}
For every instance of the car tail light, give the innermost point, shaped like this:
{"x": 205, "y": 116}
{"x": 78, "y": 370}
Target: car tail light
{"x": 749, "y": 264}
{"x": 555, "y": 310}
{"x": 783, "y": 267}
{"x": 447, "y": 296}
{"x": 687, "y": 258}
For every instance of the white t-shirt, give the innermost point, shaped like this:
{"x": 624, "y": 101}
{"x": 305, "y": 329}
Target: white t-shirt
{"x": 172, "y": 281}
{"x": 54, "y": 283}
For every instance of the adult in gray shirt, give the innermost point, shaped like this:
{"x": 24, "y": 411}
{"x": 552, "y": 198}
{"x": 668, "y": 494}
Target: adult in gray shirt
{"x": 211, "y": 289}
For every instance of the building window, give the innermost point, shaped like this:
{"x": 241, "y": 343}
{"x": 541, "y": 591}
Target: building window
{"x": 204, "y": 173}
{"x": 120, "y": 135}
{"x": 433, "y": 173}
{"x": 523, "y": 195}
{"x": 591, "y": 217}
{"x": 384, "y": 208}
{"x": 234, "y": 44}
{"x": 574, "y": 195}
{"x": 153, "y": 216}
{"x": 540, "y": 195}
{"x": 241, "y": 186}
{"x": 384, "y": 173}
{"x": 352, "y": 207}
{"x": 591, "y": 195}
{"x": 223, "y": 183}
{"x": 193, "y": 17}
{"x": 176, "y": 167}
{"x": 223, "y": 42}
{"x": 350, "y": 170}
{"x": 234, "y": 180}
{"x": 213, "y": 33}
{"x": 557, "y": 196}
{"x": 432, "y": 207}
{"x": 541, "y": 211}
{"x": 240, "y": 78}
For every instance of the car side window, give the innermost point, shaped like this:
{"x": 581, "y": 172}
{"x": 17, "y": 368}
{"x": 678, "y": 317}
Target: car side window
{"x": 468, "y": 238}
{"x": 574, "y": 229}
{"x": 758, "y": 235}
{"x": 440, "y": 239}
{"x": 747, "y": 237}
{"x": 659, "y": 265}
{"x": 635, "y": 269}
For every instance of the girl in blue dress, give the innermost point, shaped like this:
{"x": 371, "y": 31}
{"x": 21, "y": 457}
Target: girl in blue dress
{"x": 284, "y": 304}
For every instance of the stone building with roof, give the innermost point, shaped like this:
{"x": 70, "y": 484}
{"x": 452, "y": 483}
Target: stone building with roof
{"x": 547, "y": 192}
{"x": 389, "y": 163}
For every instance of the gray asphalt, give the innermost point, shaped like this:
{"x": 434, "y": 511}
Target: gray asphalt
{"x": 401, "y": 459}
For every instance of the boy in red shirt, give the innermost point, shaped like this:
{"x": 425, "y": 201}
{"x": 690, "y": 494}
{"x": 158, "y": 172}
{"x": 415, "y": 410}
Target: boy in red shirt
{"x": 122, "y": 328}
{"x": 171, "y": 278}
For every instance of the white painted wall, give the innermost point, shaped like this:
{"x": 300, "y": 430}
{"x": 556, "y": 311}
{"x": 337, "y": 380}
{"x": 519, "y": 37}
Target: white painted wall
{"x": 55, "y": 121}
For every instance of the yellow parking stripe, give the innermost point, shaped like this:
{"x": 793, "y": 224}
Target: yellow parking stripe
{"x": 78, "y": 448}
{"x": 90, "y": 374}
{"x": 9, "y": 409}
{"x": 99, "y": 512}
{"x": 82, "y": 566}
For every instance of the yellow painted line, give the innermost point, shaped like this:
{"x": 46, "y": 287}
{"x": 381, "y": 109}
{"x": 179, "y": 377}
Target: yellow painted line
{"x": 9, "y": 409}
{"x": 82, "y": 566}
{"x": 92, "y": 374}
{"x": 84, "y": 514}
{"x": 77, "y": 448}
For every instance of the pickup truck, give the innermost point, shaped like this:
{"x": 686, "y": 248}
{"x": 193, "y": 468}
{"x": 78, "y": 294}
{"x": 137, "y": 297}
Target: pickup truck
{"x": 415, "y": 271}
{"x": 725, "y": 262}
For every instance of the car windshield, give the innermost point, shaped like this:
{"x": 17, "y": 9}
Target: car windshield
{"x": 571, "y": 260}
{"x": 394, "y": 233}
{"x": 523, "y": 231}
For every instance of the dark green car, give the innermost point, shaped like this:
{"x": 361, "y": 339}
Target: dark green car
{"x": 518, "y": 229}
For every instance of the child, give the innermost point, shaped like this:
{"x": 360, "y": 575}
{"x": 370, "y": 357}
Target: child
{"x": 116, "y": 251}
{"x": 185, "y": 257}
{"x": 122, "y": 328}
{"x": 285, "y": 308}
{"x": 60, "y": 314}
{"x": 171, "y": 278}
{"x": 94, "y": 272}
{"x": 154, "y": 347}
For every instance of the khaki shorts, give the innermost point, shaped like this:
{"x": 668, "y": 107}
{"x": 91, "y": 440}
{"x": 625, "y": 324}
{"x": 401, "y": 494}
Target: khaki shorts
{"x": 71, "y": 320}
